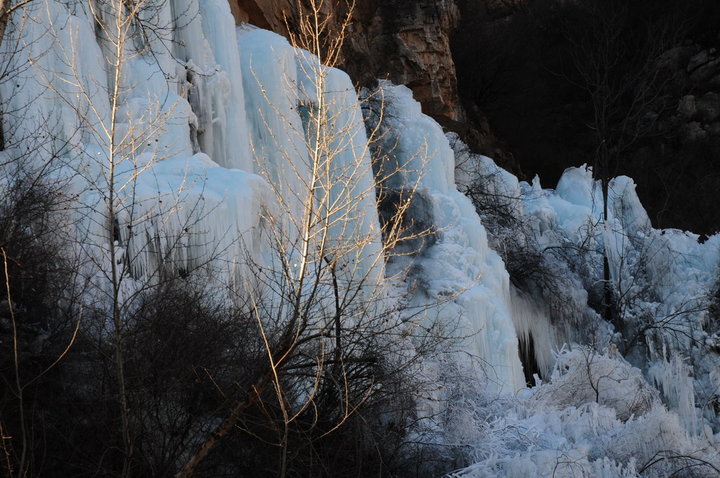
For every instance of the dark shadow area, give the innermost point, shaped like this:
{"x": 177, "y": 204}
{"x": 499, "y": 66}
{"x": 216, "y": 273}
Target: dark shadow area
{"x": 530, "y": 69}
{"x": 526, "y": 349}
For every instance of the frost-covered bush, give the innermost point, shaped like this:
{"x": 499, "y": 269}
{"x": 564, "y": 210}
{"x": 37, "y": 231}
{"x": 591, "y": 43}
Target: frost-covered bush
{"x": 547, "y": 273}
{"x": 661, "y": 447}
{"x": 583, "y": 375}
{"x": 597, "y": 417}
{"x": 568, "y": 464}
{"x": 602, "y": 281}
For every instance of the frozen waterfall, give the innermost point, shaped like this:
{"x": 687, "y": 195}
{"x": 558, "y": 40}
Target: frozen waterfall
{"x": 211, "y": 124}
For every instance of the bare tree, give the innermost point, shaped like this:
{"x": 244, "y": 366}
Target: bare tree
{"x": 617, "y": 66}
{"x": 38, "y": 321}
{"x": 105, "y": 147}
{"x": 320, "y": 304}
{"x": 7, "y": 8}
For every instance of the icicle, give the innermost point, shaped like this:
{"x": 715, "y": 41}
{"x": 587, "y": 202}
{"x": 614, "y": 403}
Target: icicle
{"x": 675, "y": 381}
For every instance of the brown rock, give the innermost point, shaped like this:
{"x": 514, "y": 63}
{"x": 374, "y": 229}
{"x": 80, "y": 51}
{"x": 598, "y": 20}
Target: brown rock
{"x": 409, "y": 43}
{"x": 268, "y": 14}
{"x": 405, "y": 42}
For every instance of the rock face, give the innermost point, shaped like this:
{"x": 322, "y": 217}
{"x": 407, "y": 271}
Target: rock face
{"x": 409, "y": 42}
{"x": 405, "y": 42}
{"x": 695, "y": 85}
{"x": 268, "y": 14}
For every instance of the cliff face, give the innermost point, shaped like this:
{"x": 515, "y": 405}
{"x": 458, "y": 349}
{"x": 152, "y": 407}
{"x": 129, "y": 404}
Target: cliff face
{"x": 405, "y": 42}
{"x": 409, "y": 42}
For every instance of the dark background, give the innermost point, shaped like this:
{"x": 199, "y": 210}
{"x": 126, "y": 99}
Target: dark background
{"x": 522, "y": 67}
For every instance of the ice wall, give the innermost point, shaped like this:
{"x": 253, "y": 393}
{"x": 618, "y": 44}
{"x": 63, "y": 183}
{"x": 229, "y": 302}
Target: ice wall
{"x": 140, "y": 162}
{"x": 498, "y": 197}
{"x": 662, "y": 282}
{"x": 308, "y": 142}
{"x": 461, "y": 281}
{"x": 180, "y": 151}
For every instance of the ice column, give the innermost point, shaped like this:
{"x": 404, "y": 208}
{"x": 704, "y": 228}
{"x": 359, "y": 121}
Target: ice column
{"x": 459, "y": 272}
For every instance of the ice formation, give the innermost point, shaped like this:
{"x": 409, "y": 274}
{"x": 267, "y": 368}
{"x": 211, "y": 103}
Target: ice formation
{"x": 459, "y": 272}
{"x": 223, "y": 134}
{"x": 211, "y": 142}
{"x": 663, "y": 280}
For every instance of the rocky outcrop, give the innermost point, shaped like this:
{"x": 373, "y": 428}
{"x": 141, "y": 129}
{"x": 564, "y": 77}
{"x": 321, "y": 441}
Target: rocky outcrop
{"x": 405, "y": 42}
{"x": 248, "y": 11}
{"x": 695, "y": 84}
{"x": 409, "y": 42}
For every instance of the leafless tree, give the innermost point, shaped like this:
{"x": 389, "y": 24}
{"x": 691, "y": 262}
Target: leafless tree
{"x": 321, "y": 305}
{"x": 617, "y": 66}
